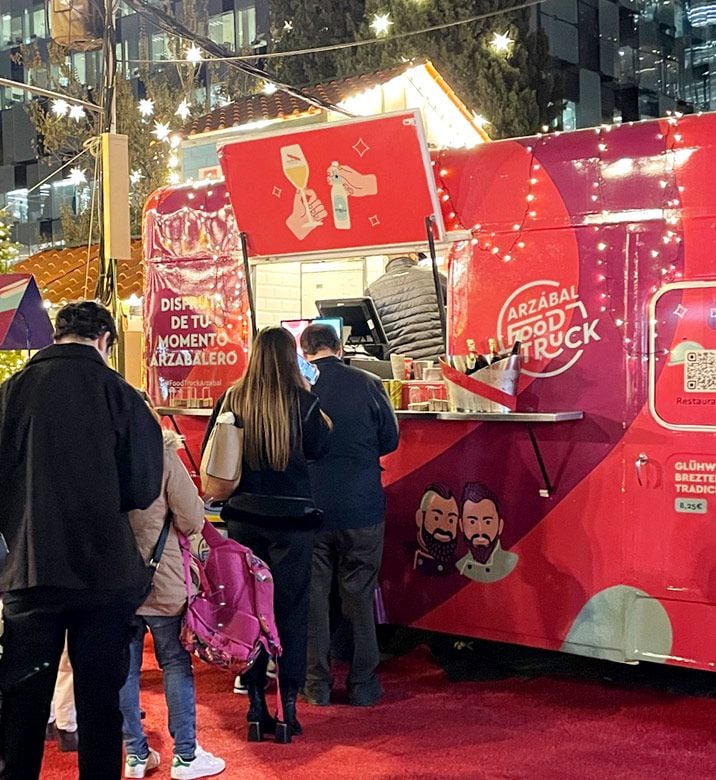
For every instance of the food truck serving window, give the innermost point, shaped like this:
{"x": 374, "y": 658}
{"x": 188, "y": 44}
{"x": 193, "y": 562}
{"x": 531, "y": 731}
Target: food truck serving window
{"x": 682, "y": 375}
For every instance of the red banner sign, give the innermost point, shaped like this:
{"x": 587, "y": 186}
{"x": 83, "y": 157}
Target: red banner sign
{"x": 196, "y": 331}
{"x": 351, "y": 185}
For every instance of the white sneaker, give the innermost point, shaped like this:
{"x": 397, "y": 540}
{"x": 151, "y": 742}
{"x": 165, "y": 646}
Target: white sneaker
{"x": 204, "y": 765}
{"x": 134, "y": 766}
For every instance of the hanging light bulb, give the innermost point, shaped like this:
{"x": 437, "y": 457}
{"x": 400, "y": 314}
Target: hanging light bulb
{"x": 269, "y": 88}
{"x": 60, "y": 107}
{"x": 183, "y": 111}
{"x": 146, "y": 107}
{"x": 77, "y": 113}
{"x": 77, "y": 176}
{"x": 287, "y": 25}
{"x": 161, "y": 131}
{"x": 501, "y": 43}
{"x": 381, "y": 24}
{"x": 194, "y": 54}
{"x": 135, "y": 177}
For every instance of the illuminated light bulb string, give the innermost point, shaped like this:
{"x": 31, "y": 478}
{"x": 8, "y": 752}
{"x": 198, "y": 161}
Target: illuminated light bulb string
{"x": 484, "y": 241}
{"x": 666, "y": 253}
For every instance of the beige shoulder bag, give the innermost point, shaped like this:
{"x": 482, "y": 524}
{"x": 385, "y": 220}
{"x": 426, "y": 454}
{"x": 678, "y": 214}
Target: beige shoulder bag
{"x": 223, "y": 457}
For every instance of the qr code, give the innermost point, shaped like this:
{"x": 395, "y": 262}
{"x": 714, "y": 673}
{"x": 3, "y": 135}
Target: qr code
{"x": 700, "y": 371}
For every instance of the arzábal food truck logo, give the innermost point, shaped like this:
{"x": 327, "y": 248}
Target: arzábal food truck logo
{"x": 552, "y": 323}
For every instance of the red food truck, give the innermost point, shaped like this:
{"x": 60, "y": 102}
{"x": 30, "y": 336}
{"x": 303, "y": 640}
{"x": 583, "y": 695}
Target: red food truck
{"x": 586, "y": 519}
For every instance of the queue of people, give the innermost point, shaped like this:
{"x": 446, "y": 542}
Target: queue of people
{"x": 89, "y": 481}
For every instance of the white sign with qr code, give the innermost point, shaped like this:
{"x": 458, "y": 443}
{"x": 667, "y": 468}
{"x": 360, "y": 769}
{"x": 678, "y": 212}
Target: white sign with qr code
{"x": 700, "y": 371}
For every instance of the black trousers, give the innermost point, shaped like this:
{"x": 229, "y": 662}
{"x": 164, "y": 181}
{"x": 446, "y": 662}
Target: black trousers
{"x": 288, "y": 554}
{"x": 98, "y": 632}
{"x": 353, "y": 557}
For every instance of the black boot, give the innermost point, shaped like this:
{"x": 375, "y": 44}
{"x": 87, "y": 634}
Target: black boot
{"x": 259, "y": 720}
{"x": 288, "y": 727}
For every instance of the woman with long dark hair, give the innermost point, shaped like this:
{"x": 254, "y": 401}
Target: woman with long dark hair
{"x": 273, "y": 512}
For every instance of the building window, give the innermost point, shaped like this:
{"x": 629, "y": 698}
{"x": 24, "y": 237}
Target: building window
{"x": 39, "y": 23}
{"x": 222, "y": 31}
{"x": 246, "y": 26}
{"x": 160, "y": 48}
{"x": 569, "y": 116}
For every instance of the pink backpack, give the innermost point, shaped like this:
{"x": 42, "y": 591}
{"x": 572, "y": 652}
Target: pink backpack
{"x": 231, "y": 617}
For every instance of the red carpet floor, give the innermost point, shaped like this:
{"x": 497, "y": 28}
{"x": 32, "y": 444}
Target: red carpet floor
{"x": 548, "y": 728}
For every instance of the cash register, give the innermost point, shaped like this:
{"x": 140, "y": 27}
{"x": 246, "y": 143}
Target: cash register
{"x": 365, "y": 344}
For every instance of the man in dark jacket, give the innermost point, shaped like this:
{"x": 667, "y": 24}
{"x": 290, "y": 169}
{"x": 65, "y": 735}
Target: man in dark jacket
{"x": 408, "y": 308}
{"x": 347, "y": 487}
{"x": 78, "y": 450}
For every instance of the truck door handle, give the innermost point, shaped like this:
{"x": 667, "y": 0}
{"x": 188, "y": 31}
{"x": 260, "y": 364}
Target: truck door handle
{"x": 641, "y": 460}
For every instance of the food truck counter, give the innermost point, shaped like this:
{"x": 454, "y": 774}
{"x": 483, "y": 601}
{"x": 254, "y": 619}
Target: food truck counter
{"x": 509, "y": 417}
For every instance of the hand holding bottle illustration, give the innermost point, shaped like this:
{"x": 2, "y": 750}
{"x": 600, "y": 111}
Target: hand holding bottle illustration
{"x": 308, "y": 213}
{"x": 355, "y": 184}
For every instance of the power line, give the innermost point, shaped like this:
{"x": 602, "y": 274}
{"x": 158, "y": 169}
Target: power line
{"x": 170, "y": 25}
{"x": 351, "y": 44}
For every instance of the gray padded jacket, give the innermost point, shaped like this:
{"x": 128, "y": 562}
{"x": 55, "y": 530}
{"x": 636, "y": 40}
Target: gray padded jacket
{"x": 408, "y": 308}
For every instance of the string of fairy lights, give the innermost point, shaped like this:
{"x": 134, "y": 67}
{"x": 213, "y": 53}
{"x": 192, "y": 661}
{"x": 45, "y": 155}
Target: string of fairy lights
{"x": 501, "y": 44}
{"x": 516, "y": 243}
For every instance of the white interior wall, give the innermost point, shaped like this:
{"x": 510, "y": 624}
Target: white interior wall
{"x": 289, "y": 290}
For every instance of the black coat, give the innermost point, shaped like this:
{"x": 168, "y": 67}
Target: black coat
{"x": 408, "y": 308}
{"x": 78, "y": 450}
{"x": 346, "y": 483}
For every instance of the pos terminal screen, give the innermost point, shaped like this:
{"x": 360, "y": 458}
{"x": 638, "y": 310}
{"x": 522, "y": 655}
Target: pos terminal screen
{"x": 296, "y": 327}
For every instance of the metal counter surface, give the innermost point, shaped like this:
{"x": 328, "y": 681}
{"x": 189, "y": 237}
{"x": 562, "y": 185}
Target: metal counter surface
{"x": 507, "y": 417}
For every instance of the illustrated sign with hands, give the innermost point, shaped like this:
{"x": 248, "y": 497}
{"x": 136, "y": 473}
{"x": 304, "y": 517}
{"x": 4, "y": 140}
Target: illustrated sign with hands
{"x": 357, "y": 184}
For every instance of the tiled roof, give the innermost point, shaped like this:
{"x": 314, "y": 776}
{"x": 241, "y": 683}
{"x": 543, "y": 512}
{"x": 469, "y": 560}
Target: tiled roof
{"x": 62, "y": 274}
{"x": 280, "y": 105}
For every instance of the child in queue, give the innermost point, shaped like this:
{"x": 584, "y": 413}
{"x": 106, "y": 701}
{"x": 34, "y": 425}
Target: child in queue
{"x": 161, "y": 614}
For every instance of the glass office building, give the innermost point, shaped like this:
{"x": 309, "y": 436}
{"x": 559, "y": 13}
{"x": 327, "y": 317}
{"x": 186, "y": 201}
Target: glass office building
{"x": 240, "y": 25}
{"x": 631, "y": 59}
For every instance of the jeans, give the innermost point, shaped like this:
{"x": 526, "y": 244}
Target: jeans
{"x": 352, "y": 557}
{"x": 97, "y": 625}
{"x": 175, "y": 663}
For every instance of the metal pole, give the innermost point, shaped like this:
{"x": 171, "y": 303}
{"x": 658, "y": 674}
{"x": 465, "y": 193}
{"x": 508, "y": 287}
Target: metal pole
{"x": 436, "y": 280}
{"x": 249, "y": 285}
{"x": 107, "y": 276}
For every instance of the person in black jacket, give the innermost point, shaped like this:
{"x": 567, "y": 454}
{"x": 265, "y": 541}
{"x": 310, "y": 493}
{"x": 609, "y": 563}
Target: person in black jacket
{"x": 273, "y": 511}
{"x": 408, "y": 308}
{"x": 78, "y": 450}
{"x": 347, "y": 487}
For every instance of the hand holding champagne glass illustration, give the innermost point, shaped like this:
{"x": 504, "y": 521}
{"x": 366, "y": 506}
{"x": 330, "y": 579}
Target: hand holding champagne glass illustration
{"x": 305, "y": 218}
{"x": 295, "y": 168}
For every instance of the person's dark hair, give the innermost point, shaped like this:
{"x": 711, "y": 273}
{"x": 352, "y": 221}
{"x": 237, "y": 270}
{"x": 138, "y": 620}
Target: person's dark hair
{"x": 317, "y": 337}
{"x": 476, "y": 492}
{"x": 85, "y": 320}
